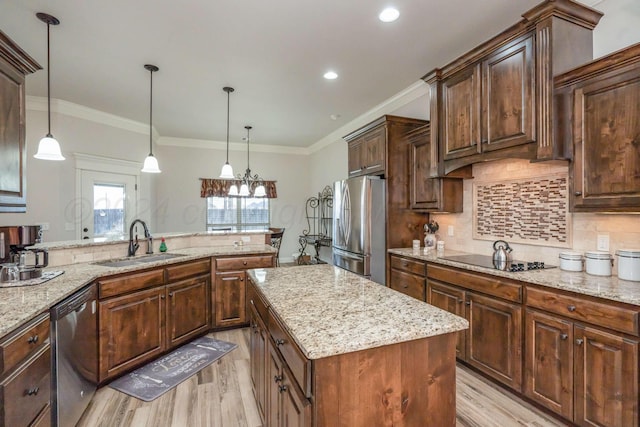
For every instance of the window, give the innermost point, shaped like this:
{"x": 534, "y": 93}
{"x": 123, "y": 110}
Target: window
{"x": 239, "y": 213}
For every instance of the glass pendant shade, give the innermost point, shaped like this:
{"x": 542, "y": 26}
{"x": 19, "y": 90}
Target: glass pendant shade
{"x": 49, "y": 149}
{"x": 151, "y": 165}
{"x": 233, "y": 190}
{"x": 244, "y": 190}
{"x": 227, "y": 171}
{"x": 260, "y": 191}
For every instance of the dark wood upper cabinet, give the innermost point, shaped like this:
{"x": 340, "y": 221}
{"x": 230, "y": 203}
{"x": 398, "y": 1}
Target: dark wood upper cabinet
{"x": 496, "y": 101}
{"x": 599, "y": 126}
{"x": 15, "y": 64}
{"x": 367, "y": 151}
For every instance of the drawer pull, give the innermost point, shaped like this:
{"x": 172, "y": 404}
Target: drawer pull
{"x": 579, "y": 341}
{"x": 171, "y": 294}
{"x": 244, "y": 262}
{"x": 578, "y": 193}
{"x": 280, "y": 342}
{"x": 277, "y": 378}
{"x": 161, "y": 296}
{"x": 460, "y": 300}
{"x": 32, "y": 339}
{"x": 33, "y": 391}
{"x": 571, "y": 308}
{"x": 564, "y": 336}
{"x": 468, "y": 303}
{"x": 282, "y": 388}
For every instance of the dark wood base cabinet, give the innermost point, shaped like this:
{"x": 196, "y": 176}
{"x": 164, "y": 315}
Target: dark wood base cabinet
{"x": 142, "y": 315}
{"x": 408, "y": 384}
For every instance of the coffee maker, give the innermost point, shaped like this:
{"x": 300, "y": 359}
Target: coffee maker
{"x": 15, "y": 247}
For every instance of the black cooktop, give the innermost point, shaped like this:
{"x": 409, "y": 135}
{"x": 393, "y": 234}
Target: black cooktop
{"x": 487, "y": 262}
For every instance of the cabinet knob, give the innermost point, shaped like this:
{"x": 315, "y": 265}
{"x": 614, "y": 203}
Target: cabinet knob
{"x": 279, "y": 342}
{"x": 33, "y": 391}
{"x": 564, "y": 336}
{"x": 241, "y": 279}
{"x": 468, "y": 303}
{"x": 244, "y": 262}
{"x": 578, "y": 193}
{"x": 282, "y": 388}
{"x": 32, "y": 339}
{"x": 277, "y": 378}
{"x": 460, "y": 300}
{"x": 171, "y": 294}
{"x": 161, "y": 296}
{"x": 571, "y": 308}
{"x": 579, "y": 341}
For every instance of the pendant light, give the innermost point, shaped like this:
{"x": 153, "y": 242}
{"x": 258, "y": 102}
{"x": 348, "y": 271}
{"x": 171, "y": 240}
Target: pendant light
{"x": 227, "y": 170}
{"x": 48, "y": 148}
{"x": 151, "y": 163}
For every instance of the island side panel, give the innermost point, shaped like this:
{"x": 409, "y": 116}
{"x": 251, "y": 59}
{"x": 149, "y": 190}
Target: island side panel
{"x": 406, "y": 384}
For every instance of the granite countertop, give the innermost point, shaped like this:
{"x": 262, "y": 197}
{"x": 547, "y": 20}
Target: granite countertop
{"x": 610, "y": 288}
{"x": 330, "y": 311}
{"x": 20, "y": 304}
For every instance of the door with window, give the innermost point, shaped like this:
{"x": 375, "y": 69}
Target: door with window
{"x": 108, "y": 203}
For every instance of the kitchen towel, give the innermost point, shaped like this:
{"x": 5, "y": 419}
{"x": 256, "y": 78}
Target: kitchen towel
{"x": 156, "y": 378}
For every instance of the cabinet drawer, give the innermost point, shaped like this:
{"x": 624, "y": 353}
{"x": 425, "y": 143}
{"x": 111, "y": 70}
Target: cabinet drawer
{"x": 242, "y": 263}
{"x": 27, "y": 392}
{"x": 495, "y": 286}
{"x": 576, "y": 307}
{"x": 23, "y": 342}
{"x": 255, "y": 300}
{"x": 298, "y": 364}
{"x": 408, "y": 284}
{"x": 129, "y": 283}
{"x": 182, "y": 271}
{"x": 406, "y": 264}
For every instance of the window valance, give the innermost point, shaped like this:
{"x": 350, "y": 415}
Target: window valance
{"x": 220, "y": 187}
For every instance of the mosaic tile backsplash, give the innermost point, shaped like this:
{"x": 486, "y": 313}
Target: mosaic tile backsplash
{"x": 532, "y": 210}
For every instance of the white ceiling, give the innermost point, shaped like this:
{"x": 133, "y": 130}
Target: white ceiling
{"x": 273, "y": 53}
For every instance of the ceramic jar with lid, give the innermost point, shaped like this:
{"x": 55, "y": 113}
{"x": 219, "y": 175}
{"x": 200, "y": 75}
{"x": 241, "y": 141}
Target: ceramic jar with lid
{"x": 571, "y": 261}
{"x": 628, "y": 264}
{"x": 598, "y": 263}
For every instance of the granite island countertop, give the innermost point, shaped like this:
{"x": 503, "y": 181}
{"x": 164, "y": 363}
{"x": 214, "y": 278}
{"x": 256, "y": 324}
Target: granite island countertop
{"x": 610, "y": 288}
{"x": 20, "y": 304}
{"x": 330, "y": 311}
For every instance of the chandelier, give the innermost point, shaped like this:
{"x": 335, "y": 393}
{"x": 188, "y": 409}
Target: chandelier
{"x": 248, "y": 182}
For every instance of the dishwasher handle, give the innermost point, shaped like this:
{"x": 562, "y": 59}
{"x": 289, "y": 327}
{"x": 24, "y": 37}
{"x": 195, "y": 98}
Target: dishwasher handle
{"x": 76, "y": 302}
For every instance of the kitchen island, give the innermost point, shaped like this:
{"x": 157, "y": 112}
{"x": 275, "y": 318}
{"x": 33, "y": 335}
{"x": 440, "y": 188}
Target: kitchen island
{"x": 330, "y": 348}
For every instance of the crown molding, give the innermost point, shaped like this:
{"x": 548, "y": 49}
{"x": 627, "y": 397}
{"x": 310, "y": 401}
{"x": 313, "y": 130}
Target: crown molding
{"x": 233, "y": 146}
{"x": 411, "y": 93}
{"x": 60, "y": 106}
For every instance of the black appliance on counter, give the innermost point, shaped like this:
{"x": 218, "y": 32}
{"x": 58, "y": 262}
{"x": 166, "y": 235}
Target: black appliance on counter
{"x": 488, "y": 262}
{"x": 15, "y": 247}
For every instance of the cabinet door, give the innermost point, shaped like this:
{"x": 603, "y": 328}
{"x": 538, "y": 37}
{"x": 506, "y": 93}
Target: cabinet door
{"x": 494, "y": 338}
{"x": 374, "y": 151}
{"x": 187, "y": 309}
{"x": 295, "y": 409}
{"x": 131, "y": 330}
{"x": 258, "y": 358}
{"x": 230, "y": 298}
{"x": 274, "y": 381}
{"x": 355, "y": 162}
{"x": 452, "y": 300}
{"x": 606, "y": 161}
{"x": 461, "y": 114}
{"x": 424, "y": 190}
{"x": 507, "y": 96}
{"x": 549, "y": 362}
{"x": 606, "y": 379}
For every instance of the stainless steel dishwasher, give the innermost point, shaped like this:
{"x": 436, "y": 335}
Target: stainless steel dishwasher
{"x": 74, "y": 332}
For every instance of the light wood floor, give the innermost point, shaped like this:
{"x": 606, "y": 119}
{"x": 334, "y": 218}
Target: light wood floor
{"x": 221, "y": 396}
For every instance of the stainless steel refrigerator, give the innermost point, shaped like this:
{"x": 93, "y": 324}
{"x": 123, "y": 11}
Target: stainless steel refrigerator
{"x": 359, "y": 226}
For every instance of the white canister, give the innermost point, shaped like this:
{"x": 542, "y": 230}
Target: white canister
{"x": 629, "y": 264}
{"x": 598, "y": 263}
{"x": 571, "y": 261}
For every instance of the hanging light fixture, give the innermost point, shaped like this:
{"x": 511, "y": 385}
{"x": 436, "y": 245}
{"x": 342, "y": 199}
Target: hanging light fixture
{"x": 247, "y": 179}
{"x": 227, "y": 170}
{"x": 151, "y": 163}
{"x": 48, "y": 148}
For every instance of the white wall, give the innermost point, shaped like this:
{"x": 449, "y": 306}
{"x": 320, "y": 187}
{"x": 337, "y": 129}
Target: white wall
{"x": 51, "y": 187}
{"x": 180, "y": 208}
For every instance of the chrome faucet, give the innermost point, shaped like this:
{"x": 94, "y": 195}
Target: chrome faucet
{"x": 133, "y": 247}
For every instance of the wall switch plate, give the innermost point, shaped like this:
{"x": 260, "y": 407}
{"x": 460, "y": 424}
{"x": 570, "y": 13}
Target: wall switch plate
{"x": 450, "y": 230}
{"x": 603, "y": 242}
{"x": 44, "y": 226}
{"x": 246, "y": 239}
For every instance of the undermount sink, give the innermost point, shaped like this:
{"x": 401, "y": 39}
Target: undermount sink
{"x": 126, "y": 262}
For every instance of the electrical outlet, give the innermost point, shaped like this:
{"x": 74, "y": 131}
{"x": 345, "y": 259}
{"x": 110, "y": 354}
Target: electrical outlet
{"x": 246, "y": 239}
{"x": 44, "y": 226}
{"x": 450, "y": 230}
{"x": 603, "y": 242}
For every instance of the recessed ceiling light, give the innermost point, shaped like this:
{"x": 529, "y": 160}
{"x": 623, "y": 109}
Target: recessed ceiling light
{"x": 330, "y": 75}
{"x": 335, "y": 116}
{"x": 390, "y": 14}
